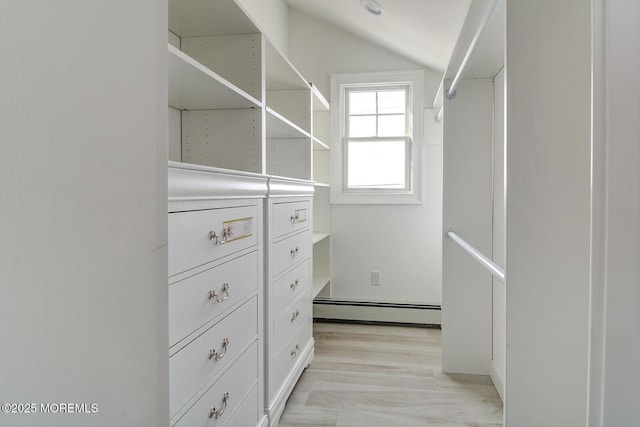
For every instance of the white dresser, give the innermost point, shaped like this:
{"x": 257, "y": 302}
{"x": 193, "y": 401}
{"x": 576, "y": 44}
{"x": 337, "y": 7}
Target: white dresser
{"x": 289, "y": 317}
{"x": 215, "y": 296}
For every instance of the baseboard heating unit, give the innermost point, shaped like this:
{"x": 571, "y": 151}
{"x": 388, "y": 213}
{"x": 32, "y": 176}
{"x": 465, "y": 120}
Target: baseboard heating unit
{"x": 423, "y": 315}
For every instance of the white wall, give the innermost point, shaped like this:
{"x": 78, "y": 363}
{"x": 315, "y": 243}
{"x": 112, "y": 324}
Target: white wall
{"x": 83, "y": 218}
{"x": 615, "y": 377}
{"x": 548, "y": 211}
{"x": 318, "y": 49}
{"x": 499, "y": 238}
{"x": 271, "y": 16}
{"x": 402, "y": 242}
{"x": 466, "y": 285}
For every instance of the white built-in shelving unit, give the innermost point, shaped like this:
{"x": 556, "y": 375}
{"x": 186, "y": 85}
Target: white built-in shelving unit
{"x": 244, "y": 125}
{"x": 321, "y": 211}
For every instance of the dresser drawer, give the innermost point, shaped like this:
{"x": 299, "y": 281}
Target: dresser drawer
{"x": 294, "y": 316}
{"x": 290, "y": 251}
{"x": 196, "y": 300}
{"x": 235, "y": 383}
{"x": 287, "y": 288}
{"x": 247, "y": 415}
{"x": 289, "y": 355}
{"x": 195, "y": 365}
{"x": 198, "y": 237}
{"x": 289, "y": 217}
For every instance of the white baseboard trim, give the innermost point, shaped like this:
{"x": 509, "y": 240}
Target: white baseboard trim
{"x": 497, "y": 381}
{"x": 358, "y": 311}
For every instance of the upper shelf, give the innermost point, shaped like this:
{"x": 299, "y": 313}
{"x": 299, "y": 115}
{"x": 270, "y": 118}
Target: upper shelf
{"x": 192, "y": 86}
{"x": 320, "y": 103}
{"x": 195, "y": 18}
{"x": 279, "y": 127}
{"x": 280, "y": 73}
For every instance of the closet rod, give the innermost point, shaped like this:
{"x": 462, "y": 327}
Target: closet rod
{"x": 477, "y": 255}
{"x": 488, "y": 14}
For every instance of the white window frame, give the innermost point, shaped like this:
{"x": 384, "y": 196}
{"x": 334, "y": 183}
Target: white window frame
{"x": 340, "y": 194}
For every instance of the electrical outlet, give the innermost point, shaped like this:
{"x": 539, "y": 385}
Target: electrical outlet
{"x": 375, "y": 278}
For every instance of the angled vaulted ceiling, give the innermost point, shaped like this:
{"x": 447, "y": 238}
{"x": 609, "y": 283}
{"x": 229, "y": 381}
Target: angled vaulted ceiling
{"x": 425, "y": 31}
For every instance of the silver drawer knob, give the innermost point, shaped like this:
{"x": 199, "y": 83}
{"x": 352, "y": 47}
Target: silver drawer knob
{"x": 220, "y": 240}
{"x": 295, "y": 315}
{"x": 215, "y": 355}
{"x": 225, "y": 290}
{"x": 213, "y": 412}
{"x": 295, "y": 284}
{"x": 295, "y": 251}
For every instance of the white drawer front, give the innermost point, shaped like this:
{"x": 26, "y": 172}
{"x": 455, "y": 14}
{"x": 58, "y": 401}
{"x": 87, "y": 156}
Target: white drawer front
{"x": 288, "y": 357}
{"x": 195, "y": 365}
{"x": 294, "y": 316}
{"x": 287, "y": 288}
{"x": 247, "y": 415}
{"x": 290, "y": 216}
{"x": 290, "y": 251}
{"x": 198, "y": 237}
{"x": 198, "y": 299}
{"x": 237, "y": 381}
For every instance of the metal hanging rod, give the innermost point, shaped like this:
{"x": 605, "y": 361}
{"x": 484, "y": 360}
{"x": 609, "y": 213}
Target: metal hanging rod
{"x": 486, "y": 18}
{"x": 478, "y": 256}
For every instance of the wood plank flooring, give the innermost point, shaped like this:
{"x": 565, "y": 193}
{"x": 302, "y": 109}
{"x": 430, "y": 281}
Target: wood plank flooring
{"x": 370, "y": 376}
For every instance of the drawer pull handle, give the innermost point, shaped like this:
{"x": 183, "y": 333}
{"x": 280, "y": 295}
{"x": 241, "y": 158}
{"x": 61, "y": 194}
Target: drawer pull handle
{"x": 218, "y": 240}
{"x": 295, "y": 218}
{"x": 225, "y": 290}
{"x": 213, "y": 412}
{"x": 213, "y": 354}
{"x": 295, "y": 284}
{"x": 296, "y": 351}
{"x": 295, "y": 315}
{"x": 295, "y": 251}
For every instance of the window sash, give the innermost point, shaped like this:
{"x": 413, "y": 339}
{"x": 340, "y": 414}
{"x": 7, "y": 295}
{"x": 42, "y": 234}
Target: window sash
{"x": 377, "y": 88}
{"x": 408, "y": 150}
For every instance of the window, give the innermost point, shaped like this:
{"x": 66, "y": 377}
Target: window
{"x": 377, "y": 144}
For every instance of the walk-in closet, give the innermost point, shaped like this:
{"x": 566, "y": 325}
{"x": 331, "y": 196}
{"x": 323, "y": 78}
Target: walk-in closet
{"x": 263, "y": 213}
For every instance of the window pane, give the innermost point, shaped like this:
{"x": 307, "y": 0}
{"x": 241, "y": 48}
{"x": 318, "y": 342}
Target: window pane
{"x": 391, "y": 101}
{"x": 392, "y": 125}
{"x": 362, "y": 126}
{"x": 362, "y": 102}
{"x": 376, "y": 164}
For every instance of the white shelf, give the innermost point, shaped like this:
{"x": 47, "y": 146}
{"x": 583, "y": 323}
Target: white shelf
{"x": 319, "y": 145}
{"x": 320, "y": 103}
{"x": 319, "y": 284}
{"x": 192, "y": 86}
{"x": 317, "y": 237}
{"x": 196, "y": 18}
{"x": 280, "y": 73}
{"x": 321, "y": 184}
{"x": 279, "y": 127}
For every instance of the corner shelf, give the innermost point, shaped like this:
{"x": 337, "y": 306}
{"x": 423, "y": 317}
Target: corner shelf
{"x": 319, "y": 283}
{"x": 317, "y": 237}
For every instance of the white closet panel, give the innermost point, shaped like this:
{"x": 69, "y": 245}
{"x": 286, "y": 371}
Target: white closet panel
{"x": 283, "y": 158}
{"x": 293, "y": 104}
{"x": 208, "y": 138}
{"x": 235, "y": 57}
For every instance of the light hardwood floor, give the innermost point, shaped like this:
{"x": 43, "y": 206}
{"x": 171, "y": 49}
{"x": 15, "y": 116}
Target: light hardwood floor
{"x": 370, "y": 376}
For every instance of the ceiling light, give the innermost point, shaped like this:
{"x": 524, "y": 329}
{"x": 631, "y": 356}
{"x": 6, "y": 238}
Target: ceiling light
{"x": 372, "y": 7}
